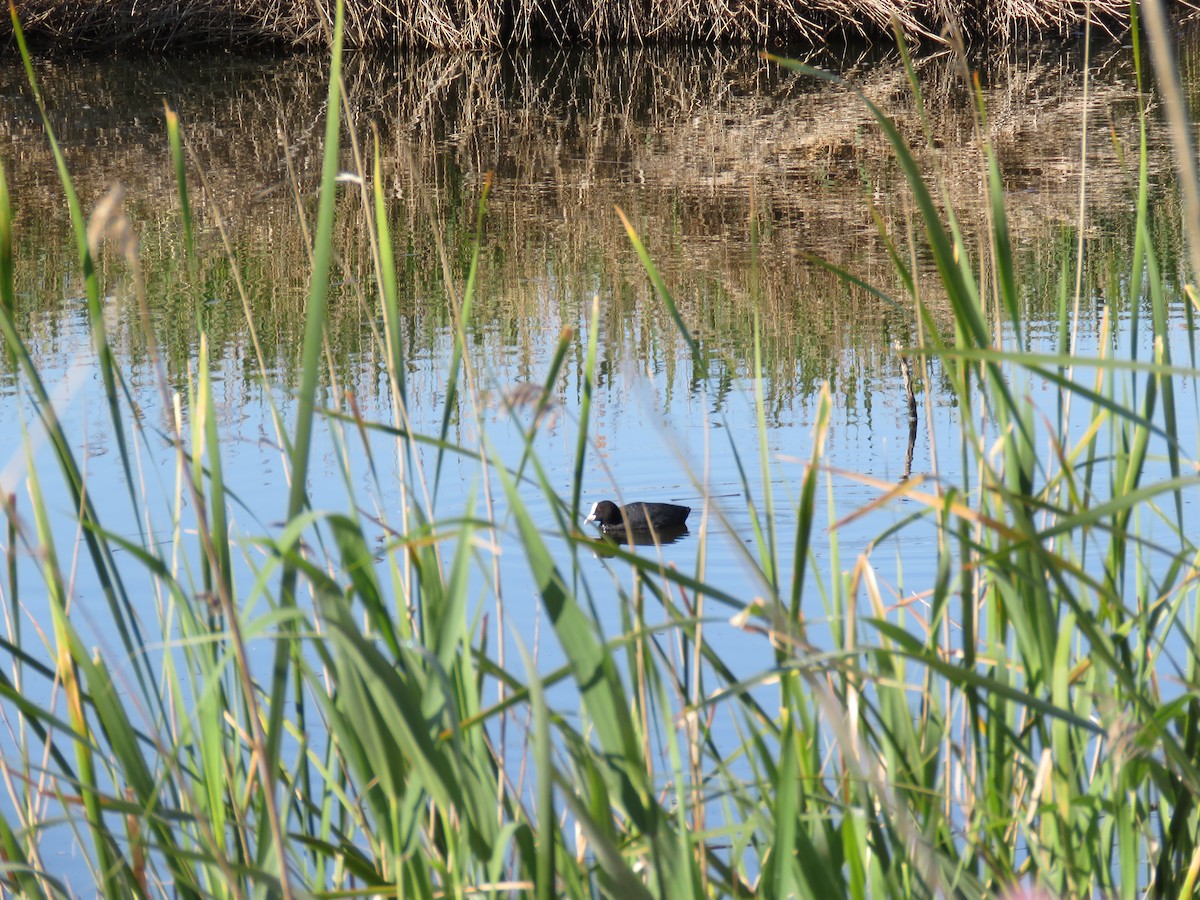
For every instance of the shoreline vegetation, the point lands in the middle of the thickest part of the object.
(75, 26)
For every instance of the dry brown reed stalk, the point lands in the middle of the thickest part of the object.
(102, 25)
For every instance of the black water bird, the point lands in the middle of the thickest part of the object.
(637, 517)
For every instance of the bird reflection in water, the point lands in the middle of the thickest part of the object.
(607, 544)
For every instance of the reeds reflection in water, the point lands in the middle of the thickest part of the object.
(694, 144)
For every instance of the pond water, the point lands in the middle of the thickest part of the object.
(700, 148)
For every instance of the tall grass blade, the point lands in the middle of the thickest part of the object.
(179, 163)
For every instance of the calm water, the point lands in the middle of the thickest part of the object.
(693, 145)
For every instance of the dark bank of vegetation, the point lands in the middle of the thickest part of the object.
(1031, 716)
(72, 26)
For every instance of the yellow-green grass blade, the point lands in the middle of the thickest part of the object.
(585, 406)
(806, 510)
(78, 672)
(179, 163)
(217, 525)
(286, 647)
(358, 563)
(768, 551)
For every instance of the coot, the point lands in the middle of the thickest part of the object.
(639, 516)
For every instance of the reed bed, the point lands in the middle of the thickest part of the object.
(1028, 718)
(103, 25)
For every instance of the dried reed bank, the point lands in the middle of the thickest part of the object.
(102, 25)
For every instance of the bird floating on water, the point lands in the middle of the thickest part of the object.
(614, 519)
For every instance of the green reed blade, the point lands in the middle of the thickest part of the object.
(314, 330)
(806, 510)
(585, 405)
(1001, 247)
(446, 623)
(218, 523)
(769, 551)
(178, 162)
(592, 665)
(318, 295)
(542, 408)
(357, 562)
(389, 295)
(782, 870)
